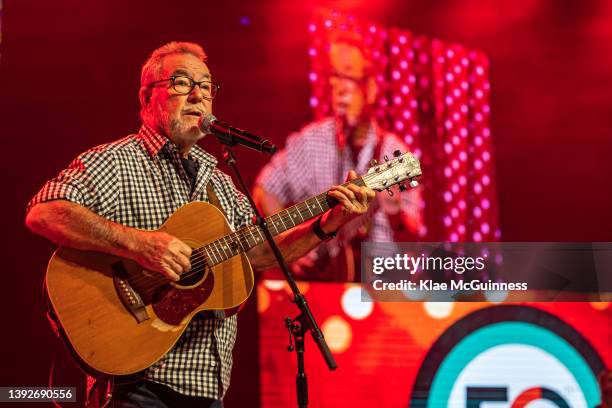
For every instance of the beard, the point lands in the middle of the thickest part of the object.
(176, 129)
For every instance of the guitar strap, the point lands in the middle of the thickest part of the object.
(212, 197)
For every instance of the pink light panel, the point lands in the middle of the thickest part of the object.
(435, 95)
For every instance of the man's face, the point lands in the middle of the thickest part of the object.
(176, 115)
(348, 81)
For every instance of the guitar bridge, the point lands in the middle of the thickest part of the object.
(129, 297)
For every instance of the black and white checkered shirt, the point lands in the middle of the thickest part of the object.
(139, 181)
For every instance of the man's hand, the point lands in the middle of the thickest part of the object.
(353, 201)
(161, 252)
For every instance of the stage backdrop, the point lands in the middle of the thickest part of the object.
(435, 354)
(435, 95)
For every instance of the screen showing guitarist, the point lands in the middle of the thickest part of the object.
(324, 150)
(131, 223)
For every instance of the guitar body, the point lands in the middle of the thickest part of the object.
(113, 336)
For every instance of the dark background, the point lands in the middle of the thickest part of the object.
(69, 77)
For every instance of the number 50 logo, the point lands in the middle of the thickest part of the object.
(514, 354)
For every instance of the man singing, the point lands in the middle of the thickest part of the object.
(112, 197)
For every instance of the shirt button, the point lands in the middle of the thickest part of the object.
(213, 363)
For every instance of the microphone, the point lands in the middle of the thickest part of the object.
(232, 136)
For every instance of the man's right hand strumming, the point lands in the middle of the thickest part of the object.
(161, 252)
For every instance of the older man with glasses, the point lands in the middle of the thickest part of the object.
(112, 197)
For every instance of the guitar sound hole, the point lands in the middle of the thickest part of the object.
(197, 272)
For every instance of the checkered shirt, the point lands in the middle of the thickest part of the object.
(311, 162)
(139, 181)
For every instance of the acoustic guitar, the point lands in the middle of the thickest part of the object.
(119, 319)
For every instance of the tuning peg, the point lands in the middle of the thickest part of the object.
(397, 153)
(402, 187)
(390, 192)
(413, 183)
(373, 162)
(386, 158)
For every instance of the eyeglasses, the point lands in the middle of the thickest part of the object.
(335, 78)
(183, 85)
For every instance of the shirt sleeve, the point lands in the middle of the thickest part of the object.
(91, 180)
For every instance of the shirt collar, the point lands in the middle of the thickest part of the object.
(155, 142)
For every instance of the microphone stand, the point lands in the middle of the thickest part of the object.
(305, 321)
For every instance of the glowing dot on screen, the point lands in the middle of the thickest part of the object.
(485, 203)
(312, 76)
(338, 333)
(263, 299)
(464, 61)
(312, 27)
(486, 180)
(477, 188)
(457, 92)
(353, 306)
(411, 79)
(447, 171)
(397, 100)
(454, 237)
(485, 228)
(478, 141)
(447, 221)
(449, 100)
(464, 85)
(461, 204)
(410, 54)
(486, 85)
(403, 64)
(413, 104)
(396, 75)
(438, 310)
(406, 114)
(478, 164)
(314, 102)
(274, 284)
(477, 237)
(479, 94)
(448, 124)
(423, 58)
(409, 139)
(600, 305)
(395, 49)
(450, 53)
(463, 132)
(456, 116)
(463, 155)
(455, 188)
(486, 132)
(457, 69)
(463, 108)
(448, 196)
(461, 229)
(498, 235)
(486, 108)
(372, 29)
(448, 148)
(450, 77)
(399, 125)
(477, 212)
(380, 78)
(455, 164)
(417, 152)
(486, 156)
(478, 116)
(462, 180)
(402, 39)
(312, 52)
(479, 70)
(456, 140)
(454, 212)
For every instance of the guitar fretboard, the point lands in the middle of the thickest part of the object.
(246, 238)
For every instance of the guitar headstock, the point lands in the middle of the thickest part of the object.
(381, 176)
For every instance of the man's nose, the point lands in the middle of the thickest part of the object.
(196, 94)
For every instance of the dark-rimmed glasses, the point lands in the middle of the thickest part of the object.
(183, 85)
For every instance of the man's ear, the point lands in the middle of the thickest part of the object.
(371, 91)
(144, 94)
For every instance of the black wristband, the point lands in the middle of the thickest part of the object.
(323, 236)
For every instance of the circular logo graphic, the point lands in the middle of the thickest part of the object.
(512, 356)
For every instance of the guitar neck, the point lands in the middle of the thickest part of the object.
(248, 237)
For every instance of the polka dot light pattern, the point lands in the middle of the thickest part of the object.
(434, 95)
